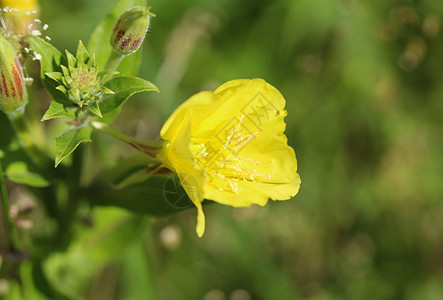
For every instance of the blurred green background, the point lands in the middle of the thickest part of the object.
(363, 83)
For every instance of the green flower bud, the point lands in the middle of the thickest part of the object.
(13, 96)
(130, 30)
(80, 80)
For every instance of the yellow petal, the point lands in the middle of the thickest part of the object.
(186, 115)
(200, 228)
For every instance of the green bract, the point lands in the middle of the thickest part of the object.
(81, 82)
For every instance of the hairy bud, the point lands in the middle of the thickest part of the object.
(13, 96)
(130, 30)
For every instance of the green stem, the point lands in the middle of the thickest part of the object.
(75, 198)
(151, 148)
(113, 61)
(8, 240)
(22, 130)
(69, 212)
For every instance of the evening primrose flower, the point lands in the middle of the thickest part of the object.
(17, 15)
(228, 146)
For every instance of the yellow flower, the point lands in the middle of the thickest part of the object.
(20, 14)
(21, 5)
(228, 146)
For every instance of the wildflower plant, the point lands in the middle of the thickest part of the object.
(226, 146)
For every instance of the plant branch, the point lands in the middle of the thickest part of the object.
(7, 233)
(151, 148)
(114, 61)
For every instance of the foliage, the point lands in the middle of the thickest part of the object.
(363, 88)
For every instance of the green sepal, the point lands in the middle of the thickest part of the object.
(72, 61)
(62, 89)
(58, 109)
(66, 143)
(75, 94)
(65, 70)
(57, 76)
(82, 54)
(92, 61)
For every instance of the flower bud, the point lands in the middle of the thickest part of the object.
(13, 96)
(130, 30)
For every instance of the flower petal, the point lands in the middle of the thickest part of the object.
(194, 109)
(200, 228)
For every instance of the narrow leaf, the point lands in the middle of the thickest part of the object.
(66, 143)
(18, 172)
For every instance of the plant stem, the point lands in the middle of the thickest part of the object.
(113, 61)
(7, 233)
(69, 212)
(151, 148)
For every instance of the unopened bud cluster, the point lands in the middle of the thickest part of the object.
(13, 96)
(130, 30)
(80, 80)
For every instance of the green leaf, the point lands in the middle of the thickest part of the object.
(50, 62)
(59, 110)
(123, 87)
(18, 172)
(99, 43)
(30, 286)
(66, 143)
(158, 196)
(95, 109)
(71, 272)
